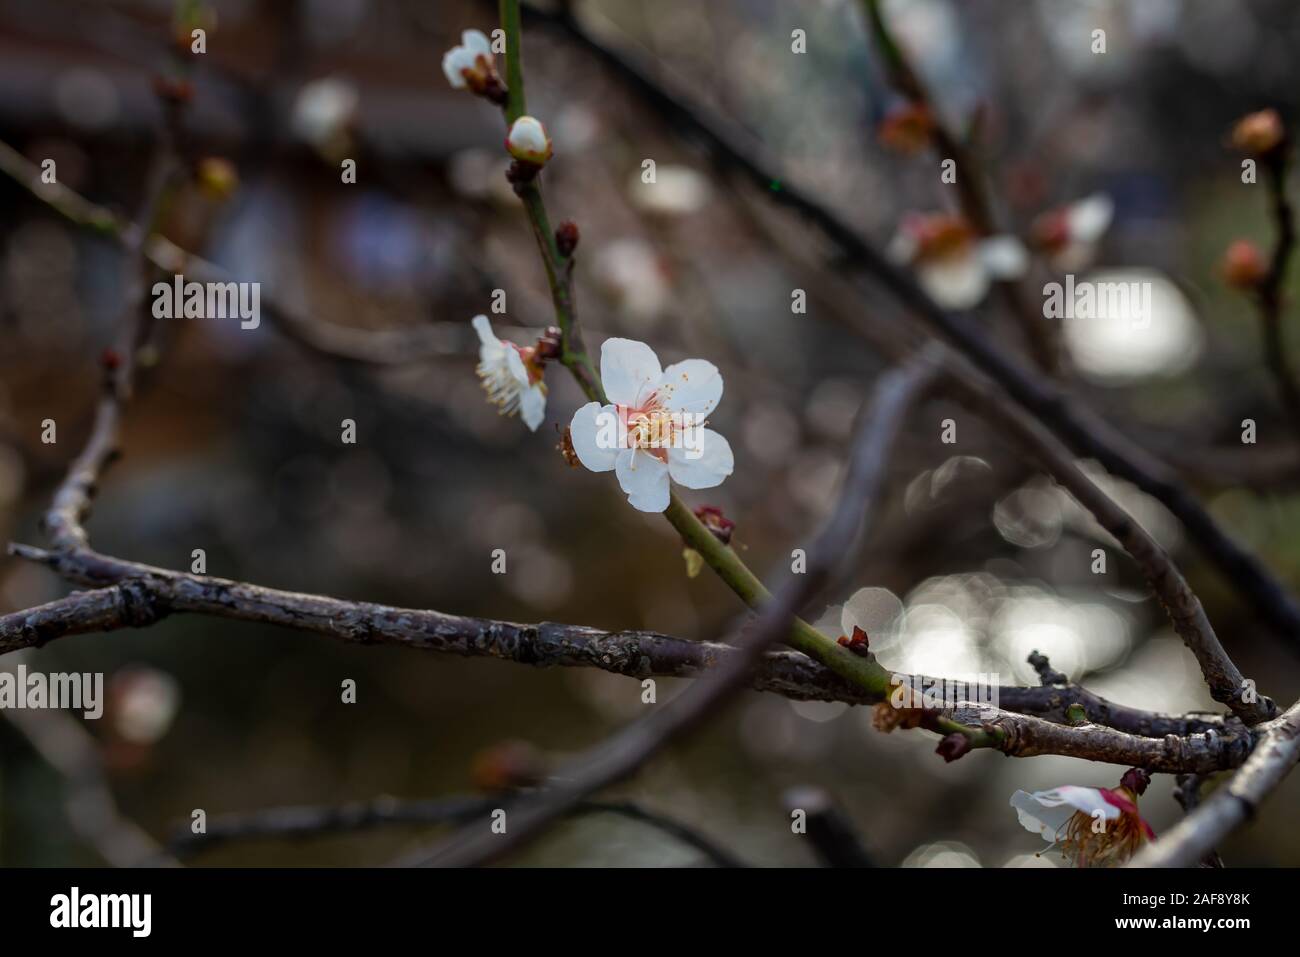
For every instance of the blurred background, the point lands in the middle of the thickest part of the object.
(232, 444)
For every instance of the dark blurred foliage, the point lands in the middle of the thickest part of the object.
(233, 444)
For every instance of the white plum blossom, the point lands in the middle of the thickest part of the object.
(323, 111)
(954, 265)
(471, 66)
(1089, 826)
(1069, 236)
(512, 376)
(527, 141)
(652, 431)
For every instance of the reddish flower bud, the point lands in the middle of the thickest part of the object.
(549, 345)
(716, 522)
(1136, 780)
(907, 128)
(1259, 133)
(858, 642)
(1243, 265)
(173, 89)
(507, 766)
(110, 359)
(566, 237)
(953, 746)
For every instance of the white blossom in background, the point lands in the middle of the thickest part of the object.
(324, 110)
(527, 141)
(652, 431)
(1070, 235)
(632, 273)
(953, 264)
(676, 191)
(144, 702)
(511, 376)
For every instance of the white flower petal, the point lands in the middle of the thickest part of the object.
(476, 43)
(1005, 257)
(515, 363)
(1089, 218)
(693, 386)
(532, 406)
(594, 435)
(956, 282)
(453, 62)
(1046, 822)
(491, 346)
(1046, 812)
(644, 478)
(902, 248)
(1080, 798)
(706, 466)
(630, 371)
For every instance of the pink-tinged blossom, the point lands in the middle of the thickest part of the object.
(652, 431)
(1090, 827)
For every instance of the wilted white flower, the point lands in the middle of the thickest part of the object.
(652, 430)
(1089, 826)
(512, 376)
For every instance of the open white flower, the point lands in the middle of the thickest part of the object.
(1070, 235)
(527, 141)
(471, 66)
(512, 376)
(953, 264)
(653, 428)
(1089, 826)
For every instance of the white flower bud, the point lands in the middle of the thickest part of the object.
(528, 142)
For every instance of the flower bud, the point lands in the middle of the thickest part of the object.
(1259, 133)
(216, 177)
(1136, 780)
(471, 66)
(712, 518)
(859, 643)
(907, 128)
(527, 141)
(953, 746)
(1243, 265)
(566, 238)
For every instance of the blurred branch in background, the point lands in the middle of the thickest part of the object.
(299, 823)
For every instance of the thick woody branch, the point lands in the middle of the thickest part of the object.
(1233, 804)
(128, 594)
